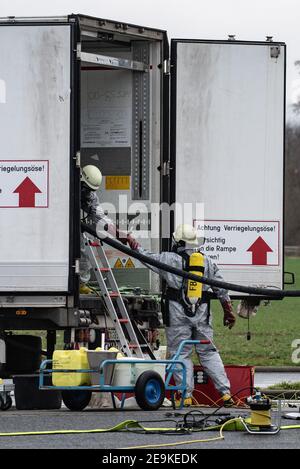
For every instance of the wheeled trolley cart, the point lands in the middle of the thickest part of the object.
(149, 386)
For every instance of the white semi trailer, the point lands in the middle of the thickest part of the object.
(198, 121)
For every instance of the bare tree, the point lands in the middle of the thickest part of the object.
(292, 184)
(292, 176)
(296, 106)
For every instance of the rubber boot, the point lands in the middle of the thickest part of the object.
(84, 289)
(227, 400)
(188, 401)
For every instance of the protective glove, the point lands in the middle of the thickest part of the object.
(123, 237)
(229, 317)
(133, 244)
(116, 233)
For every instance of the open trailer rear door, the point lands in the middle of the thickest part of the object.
(37, 157)
(227, 151)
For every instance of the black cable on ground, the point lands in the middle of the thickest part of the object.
(205, 417)
(208, 416)
(279, 294)
(183, 424)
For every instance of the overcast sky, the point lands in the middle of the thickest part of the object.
(247, 19)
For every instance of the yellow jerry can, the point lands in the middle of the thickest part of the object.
(71, 360)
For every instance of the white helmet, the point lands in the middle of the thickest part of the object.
(186, 233)
(92, 176)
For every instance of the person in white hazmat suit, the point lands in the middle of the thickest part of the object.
(182, 323)
(92, 212)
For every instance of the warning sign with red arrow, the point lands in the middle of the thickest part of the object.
(252, 243)
(24, 184)
(259, 251)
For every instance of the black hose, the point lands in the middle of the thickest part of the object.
(279, 294)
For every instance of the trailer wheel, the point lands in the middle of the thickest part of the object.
(149, 390)
(6, 405)
(76, 400)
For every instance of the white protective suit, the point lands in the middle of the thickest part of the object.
(92, 212)
(181, 327)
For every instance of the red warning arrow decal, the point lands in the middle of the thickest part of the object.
(259, 251)
(27, 190)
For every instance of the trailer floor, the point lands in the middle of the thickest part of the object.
(18, 421)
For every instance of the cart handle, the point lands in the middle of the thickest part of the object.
(186, 342)
(172, 363)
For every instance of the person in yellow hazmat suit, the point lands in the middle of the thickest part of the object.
(189, 318)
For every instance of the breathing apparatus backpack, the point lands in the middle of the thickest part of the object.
(194, 289)
(190, 294)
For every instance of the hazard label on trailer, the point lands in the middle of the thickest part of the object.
(241, 242)
(117, 183)
(24, 184)
(118, 264)
(129, 264)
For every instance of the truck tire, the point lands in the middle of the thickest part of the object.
(149, 390)
(23, 353)
(76, 400)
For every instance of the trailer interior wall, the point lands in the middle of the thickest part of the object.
(121, 134)
(228, 151)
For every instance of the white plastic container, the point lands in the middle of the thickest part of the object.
(127, 374)
(95, 358)
(161, 353)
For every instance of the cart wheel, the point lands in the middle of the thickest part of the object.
(76, 400)
(149, 390)
(5, 405)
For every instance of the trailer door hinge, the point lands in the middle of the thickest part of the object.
(77, 266)
(166, 168)
(274, 52)
(167, 67)
(78, 50)
(77, 159)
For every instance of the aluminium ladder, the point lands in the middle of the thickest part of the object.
(127, 330)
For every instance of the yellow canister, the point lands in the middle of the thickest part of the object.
(70, 360)
(261, 418)
(196, 267)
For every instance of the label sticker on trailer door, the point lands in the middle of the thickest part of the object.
(24, 184)
(241, 242)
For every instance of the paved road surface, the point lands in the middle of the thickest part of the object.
(13, 421)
